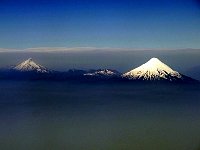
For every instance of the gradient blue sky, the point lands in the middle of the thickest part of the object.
(100, 23)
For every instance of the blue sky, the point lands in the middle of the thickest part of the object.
(100, 23)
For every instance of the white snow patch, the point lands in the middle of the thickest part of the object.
(154, 69)
(104, 72)
(30, 65)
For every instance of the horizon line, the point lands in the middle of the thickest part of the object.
(82, 49)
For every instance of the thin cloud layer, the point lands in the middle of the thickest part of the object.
(8, 50)
(63, 49)
(81, 49)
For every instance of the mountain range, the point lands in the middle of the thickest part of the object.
(152, 71)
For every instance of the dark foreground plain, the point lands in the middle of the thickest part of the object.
(44, 115)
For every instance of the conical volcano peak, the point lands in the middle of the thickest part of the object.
(154, 60)
(28, 62)
(30, 65)
(153, 69)
(30, 59)
(153, 65)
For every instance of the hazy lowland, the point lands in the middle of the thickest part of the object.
(52, 115)
(66, 115)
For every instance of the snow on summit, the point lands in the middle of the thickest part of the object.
(30, 65)
(154, 69)
(102, 72)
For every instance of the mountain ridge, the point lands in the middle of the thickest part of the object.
(152, 70)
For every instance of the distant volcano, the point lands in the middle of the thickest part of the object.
(30, 66)
(154, 70)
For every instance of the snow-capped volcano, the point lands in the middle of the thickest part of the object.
(29, 65)
(154, 69)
